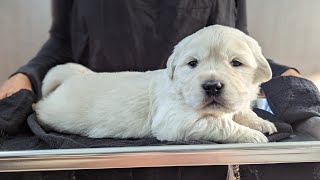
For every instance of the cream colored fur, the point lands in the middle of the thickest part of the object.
(168, 104)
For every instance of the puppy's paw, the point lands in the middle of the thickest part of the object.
(253, 136)
(251, 120)
(263, 126)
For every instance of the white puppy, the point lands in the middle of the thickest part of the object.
(205, 93)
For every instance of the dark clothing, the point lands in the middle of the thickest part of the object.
(122, 35)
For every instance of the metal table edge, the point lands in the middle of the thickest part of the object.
(159, 156)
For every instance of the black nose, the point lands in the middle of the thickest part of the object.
(212, 87)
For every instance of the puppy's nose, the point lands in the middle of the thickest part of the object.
(212, 87)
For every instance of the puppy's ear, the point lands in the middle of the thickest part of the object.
(172, 60)
(171, 65)
(263, 72)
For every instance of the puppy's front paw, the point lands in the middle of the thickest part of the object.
(251, 120)
(253, 136)
(264, 126)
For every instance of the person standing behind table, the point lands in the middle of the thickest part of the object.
(109, 36)
(126, 35)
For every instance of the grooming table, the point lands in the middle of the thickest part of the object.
(160, 156)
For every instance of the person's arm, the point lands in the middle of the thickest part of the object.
(291, 72)
(282, 70)
(57, 50)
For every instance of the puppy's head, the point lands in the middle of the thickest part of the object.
(218, 69)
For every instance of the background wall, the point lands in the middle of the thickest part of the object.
(287, 30)
(24, 26)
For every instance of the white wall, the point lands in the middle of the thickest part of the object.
(287, 30)
(24, 26)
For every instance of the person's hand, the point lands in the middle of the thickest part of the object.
(14, 84)
(291, 72)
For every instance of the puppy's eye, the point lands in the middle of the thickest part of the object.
(193, 63)
(235, 63)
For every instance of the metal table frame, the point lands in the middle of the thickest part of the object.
(160, 156)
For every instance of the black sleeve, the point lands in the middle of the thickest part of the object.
(241, 21)
(229, 13)
(278, 69)
(57, 49)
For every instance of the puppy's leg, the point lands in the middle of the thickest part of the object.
(225, 130)
(250, 119)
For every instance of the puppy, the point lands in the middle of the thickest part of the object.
(204, 93)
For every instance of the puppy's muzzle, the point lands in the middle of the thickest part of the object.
(212, 87)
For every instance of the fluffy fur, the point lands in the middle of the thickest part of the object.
(169, 104)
